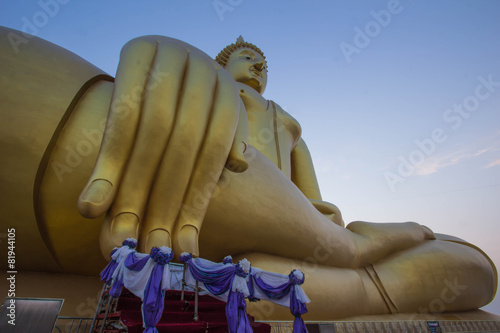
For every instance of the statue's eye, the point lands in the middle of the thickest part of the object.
(247, 57)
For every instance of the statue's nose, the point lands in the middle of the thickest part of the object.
(259, 66)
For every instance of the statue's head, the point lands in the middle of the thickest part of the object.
(246, 63)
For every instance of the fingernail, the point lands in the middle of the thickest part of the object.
(98, 191)
(188, 240)
(123, 226)
(157, 237)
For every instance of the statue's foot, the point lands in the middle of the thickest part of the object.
(429, 233)
(404, 230)
(379, 240)
(96, 198)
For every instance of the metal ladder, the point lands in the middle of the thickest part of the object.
(105, 312)
(106, 309)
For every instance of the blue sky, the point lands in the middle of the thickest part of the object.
(399, 101)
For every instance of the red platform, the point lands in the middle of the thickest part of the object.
(178, 315)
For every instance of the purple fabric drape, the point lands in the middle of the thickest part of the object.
(297, 308)
(130, 261)
(251, 297)
(237, 319)
(218, 280)
(153, 298)
(117, 287)
(107, 272)
(135, 264)
(270, 291)
(152, 305)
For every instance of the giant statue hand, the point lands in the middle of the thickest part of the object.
(171, 102)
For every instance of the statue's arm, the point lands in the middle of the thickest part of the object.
(304, 177)
(303, 174)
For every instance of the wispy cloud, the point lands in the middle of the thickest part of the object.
(439, 161)
(435, 162)
(493, 163)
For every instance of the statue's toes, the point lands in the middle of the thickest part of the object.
(429, 234)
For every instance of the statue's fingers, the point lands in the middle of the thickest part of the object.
(209, 165)
(123, 118)
(155, 127)
(174, 173)
(110, 238)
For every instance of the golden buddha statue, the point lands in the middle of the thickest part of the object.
(184, 151)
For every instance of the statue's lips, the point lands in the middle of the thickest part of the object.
(256, 72)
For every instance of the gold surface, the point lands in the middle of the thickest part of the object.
(38, 84)
(194, 157)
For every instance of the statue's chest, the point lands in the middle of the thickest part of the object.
(259, 111)
(266, 131)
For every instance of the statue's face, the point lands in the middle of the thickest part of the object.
(249, 67)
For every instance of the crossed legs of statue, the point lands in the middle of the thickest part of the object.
(366, 268)
(435, 277)
(262, 210)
